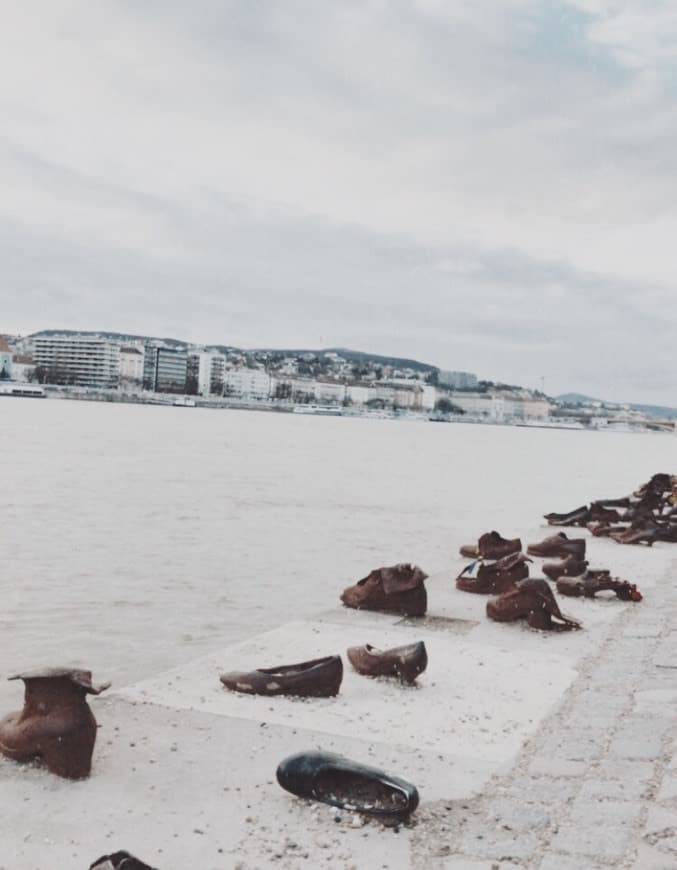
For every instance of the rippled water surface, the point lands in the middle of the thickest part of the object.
(135, 538)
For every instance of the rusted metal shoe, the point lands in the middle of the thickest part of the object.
(318, 678)
(119, 861)
(578, 517)
(569, 567)
(604, 514)
(559, 547)
(604, 530)
(534, 601)
(404, 662)
(491, 546)
(495, 577)
(623, 502)
(398, 589)
(647, 535)
(593, 582)
(340, 782)
(56, 723)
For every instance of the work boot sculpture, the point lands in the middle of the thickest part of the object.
(56, 723)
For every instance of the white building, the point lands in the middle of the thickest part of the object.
(457, 380)
(23, 368)
(5, 360)
(131, 367)
(247, 383)
(80, 360)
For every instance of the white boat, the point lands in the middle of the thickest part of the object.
(184, 402)
(323, 410)
(26, 391)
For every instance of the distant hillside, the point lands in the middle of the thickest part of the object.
(654, 410)
(576, 399)
(354, 356)
(657, 411)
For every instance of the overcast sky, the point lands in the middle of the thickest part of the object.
(487, 185)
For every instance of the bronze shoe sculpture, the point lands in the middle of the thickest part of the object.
(534, 601)
(119, 861)
(578, 517)
(603, 530)
(318, 678)
(491, 546)
(646, 535)
(558, 546)
(569, 567)
(398, 589)
(56, 723)
(495, 577)
(334, 780)
(598, 581)
(405, 662)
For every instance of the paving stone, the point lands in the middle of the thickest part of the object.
(615, 768)
(613, 789)
(652, 858)
(640, 737)
(549, 766)
(660, 828)
(499, 844)
(518, 816)
(668, 788)
(567, 862)
(575, 746)
(542, 790)
(604, 832)
(466, 864)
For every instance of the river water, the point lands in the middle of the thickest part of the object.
(135, 538)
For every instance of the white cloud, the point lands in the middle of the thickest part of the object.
(478, 177)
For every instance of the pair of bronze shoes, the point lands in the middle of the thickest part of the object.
(396, 589)
(56, 724)
(495, 577)
(321, 678)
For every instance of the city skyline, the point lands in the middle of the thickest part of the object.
(487, 188)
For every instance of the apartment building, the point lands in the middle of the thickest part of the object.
(131, 366)
(79, 360)
(164, 369)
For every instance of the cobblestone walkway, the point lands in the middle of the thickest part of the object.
(597, 786)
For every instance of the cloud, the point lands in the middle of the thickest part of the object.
(486, 185)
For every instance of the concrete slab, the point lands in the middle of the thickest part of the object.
(478, 706)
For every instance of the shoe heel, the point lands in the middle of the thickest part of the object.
(69, 755)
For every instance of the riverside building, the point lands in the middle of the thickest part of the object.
(78, 360)
(164, 369)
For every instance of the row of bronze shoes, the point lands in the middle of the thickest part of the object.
(647, 515)
(57, 726)
(501, 569)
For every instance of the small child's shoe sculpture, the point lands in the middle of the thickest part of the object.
(56, 723)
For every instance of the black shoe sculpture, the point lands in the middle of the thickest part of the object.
(335, 780)
(119, 861)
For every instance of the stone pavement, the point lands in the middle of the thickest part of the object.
(596, 786)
